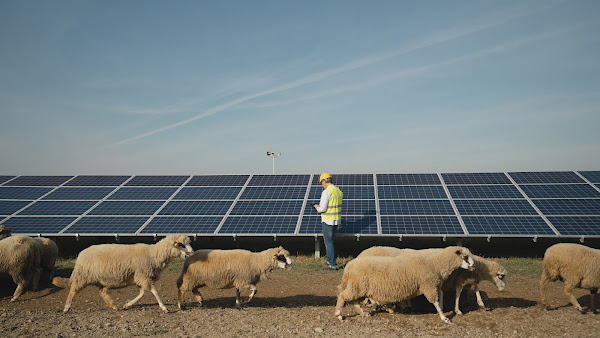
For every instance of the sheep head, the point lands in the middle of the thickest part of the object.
(282, 258)
(181, 243)
(4, 232)
(466, 259)
(499, 277)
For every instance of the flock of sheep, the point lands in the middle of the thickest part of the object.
(380, 277)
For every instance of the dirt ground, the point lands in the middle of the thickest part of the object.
(298, 302)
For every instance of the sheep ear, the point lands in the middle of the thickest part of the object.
(458, 252)
(175, 244)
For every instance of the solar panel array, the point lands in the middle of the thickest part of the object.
(513, 204)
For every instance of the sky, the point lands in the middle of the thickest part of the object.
(208, 87)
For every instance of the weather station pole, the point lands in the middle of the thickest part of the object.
(273, 155)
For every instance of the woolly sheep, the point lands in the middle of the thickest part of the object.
(483, 270)
(577, 265)
(36, 249)
(388, 280)
(114, 265)
(48, 255)
(225, 269)
(16, 259)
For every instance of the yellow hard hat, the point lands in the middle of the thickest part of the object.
(324, 176)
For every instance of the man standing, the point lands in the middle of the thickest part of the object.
(330, 208)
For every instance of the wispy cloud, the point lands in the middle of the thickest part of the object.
(483, 23)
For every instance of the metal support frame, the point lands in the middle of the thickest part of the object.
(317, 247)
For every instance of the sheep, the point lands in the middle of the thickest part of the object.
(388, 280)
(575, 264)
(16, 259)
(36, 249)
(225, 269)
(48, 255)
(483, 270)
(4, 232)
(114, 265)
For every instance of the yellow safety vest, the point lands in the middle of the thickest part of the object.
(334, 208)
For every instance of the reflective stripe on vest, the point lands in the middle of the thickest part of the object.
(334, 208)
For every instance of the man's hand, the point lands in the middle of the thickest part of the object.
(316, 206)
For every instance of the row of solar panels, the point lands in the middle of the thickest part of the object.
(548, 203)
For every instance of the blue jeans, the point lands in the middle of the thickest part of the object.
(328, 232)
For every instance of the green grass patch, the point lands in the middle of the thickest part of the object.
(531, 267)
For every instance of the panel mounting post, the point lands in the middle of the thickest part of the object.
(535, 238)
(274, 237)
(489, 238)
(317, 248)
(358, 237)
(400, 238)
(582, 239)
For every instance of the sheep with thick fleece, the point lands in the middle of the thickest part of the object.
(48, 255)
(114, 265)
(483, 270)
(387, 280)
(16, 259)
(225, 269)
(575, 264)
(36, 249)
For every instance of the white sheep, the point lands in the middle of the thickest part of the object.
(483, 270)
(225, 269)
(16, 259)
(48, 255)
(577, 265)
(114, 265)
(36, 249)
(387, 280)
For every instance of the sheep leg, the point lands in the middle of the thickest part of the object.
(457, 300)
(135, 300)
(36, 278)
(568, 289)
(74, 288)
(434, 298)
(107, 299)
(198, 295)
(479, 299)
(18, 291)
(543, 283)
(593, 300)
(343, 296)
(252, 293)
(160, 302)
(238, 302)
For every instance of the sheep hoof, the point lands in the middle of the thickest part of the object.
(447, 321)
(115, 308)
(125, 307)
(13, 299)
(458, 312)
(340, 317)
(165, 310)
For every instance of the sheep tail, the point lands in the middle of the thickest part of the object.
(61, 282)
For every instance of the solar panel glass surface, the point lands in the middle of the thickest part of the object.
(97, 180)
(5, 178)
(143, 193)
(8, 208)
(218, 180)
(185, 225)
(274, 193)
(576, 225)
(206, 208)
(157, 181)
(207, 193)
(64, 208)
(267, 208)
(350, 192)
(546, 177)
(560, 191)
(415, 207)
(588, 207)
(66, 193)
(411, 192)
(46, 181)
(484, 191)
(350, 225)
(278, 180)
(420, 225)
(476, 178)
(507, 225)
(37, 225)
(259, 225)
(408, 179)
(22, 193)
(347, 179)
(109, 225)
(494, 207)
(349, 207)
(118, 208)
(592, 176)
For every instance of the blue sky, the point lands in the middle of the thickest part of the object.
(207, 87)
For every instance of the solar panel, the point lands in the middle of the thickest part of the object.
(207, 193)
(588, 207)
(157, 181)
(277, 180)
(185, 225)
(507, 225)
(10, 207)
(350, 192)
(63, 208)
(415, 207)
(347, 179)
(37, 225)
(5, 178)
(420, 225)
(576, 225)
(144, 193)
(494, 207)
(592, 176)
(22, 193)
(350, 225)
(267, 208)
(98, 180)
(476, 178)
(218, 180)
(349, 207)
(110, 225)
(560, 191)
(546, 177)
(117, 208)
(47, 181)
(411, 192)
(408, 179)
(196, 208)
(274, 193)
(484, 191)
(259, 225)
(78, 194)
